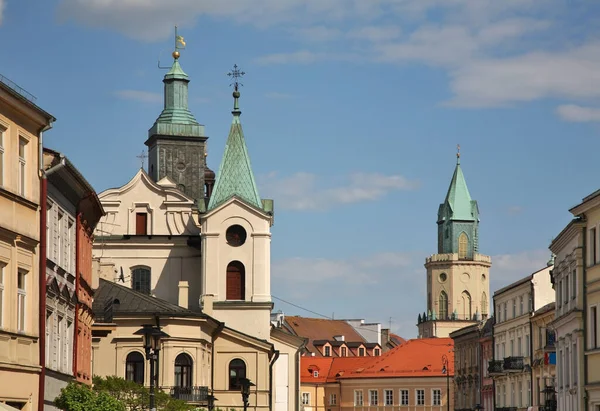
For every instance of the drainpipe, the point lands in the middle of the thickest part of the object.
(271, 364)
(297, 387)
(42, 268)
(214, 336)
(584, 268)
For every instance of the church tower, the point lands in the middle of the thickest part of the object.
(458, 287)
(236, 240)
(176, 142)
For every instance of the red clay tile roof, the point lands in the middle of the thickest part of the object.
(345, 365)
(415, 358)
(321, 329)
(308, 365)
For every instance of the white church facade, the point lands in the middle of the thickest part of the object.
(190, 252)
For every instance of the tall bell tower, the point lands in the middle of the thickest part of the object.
(176, 142)
(458, 283)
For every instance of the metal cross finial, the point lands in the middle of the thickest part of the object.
(458, 150)
(142, 157)
(236, 74)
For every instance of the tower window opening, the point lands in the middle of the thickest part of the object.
(463, 243)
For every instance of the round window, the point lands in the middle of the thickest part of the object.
(443, 277)
(236, 235)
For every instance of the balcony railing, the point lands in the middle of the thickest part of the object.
(506, 408)
(513, 364)
(190, 394)
(495, 367)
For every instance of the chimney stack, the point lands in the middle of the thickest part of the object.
(183, 294)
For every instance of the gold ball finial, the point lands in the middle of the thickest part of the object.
(176, 54)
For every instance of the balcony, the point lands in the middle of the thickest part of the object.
(495, 367)
(190, 394)
(506, 408)
(513, 364)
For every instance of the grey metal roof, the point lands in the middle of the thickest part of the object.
(133, 302)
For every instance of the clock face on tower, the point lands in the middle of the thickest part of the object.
(235, 235)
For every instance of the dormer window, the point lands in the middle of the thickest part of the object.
(376, 352)
(344, 352)
(327, 351)
(361, 352)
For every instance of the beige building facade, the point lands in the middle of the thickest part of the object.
(22, 124)
(543, 369)
(511, 367)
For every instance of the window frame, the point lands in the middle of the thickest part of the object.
(435, 391)
(2, 149)
(22, 300)
(239, 366)
(136, 283)
(305, 398)
(183, 373)
(403, 397)
(22, 156)
(593, 326)
(419, 400)
(138, 367)
(327, 351)
(359, 398)
(385, 397)
(373, 399)
(332, 399)
(463, 246)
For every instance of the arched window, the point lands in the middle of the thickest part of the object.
(466, 300)
(183, 370)
(463, 245)
(237, 372)
(443, 306)
(236, 278)
(140, 280)
(484, 305)
(134, 367)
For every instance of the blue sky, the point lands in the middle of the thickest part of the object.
(352, 111)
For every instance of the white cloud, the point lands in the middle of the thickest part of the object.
(376, 33)
(572, 112)
(361, 270)
(508, 268)
(139, 95)
(316, 33)
(307, 192)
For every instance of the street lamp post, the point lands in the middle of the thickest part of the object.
(152, 336)
(246, 384)
(446, 370)
(211, 402)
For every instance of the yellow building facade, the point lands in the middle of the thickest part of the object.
(21, 126)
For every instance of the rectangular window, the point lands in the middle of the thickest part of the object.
(436, 397)
(512, 348)
(538, 391)
(389, 397)
(373, 397)
(68, 347)
(503, 350)
(403, 397)
(519, 347)
(528, 399)
(499, 311)
(593, 246)
(141, 223)
(49, 341)
(332, 399)
(567, 370)
(2, 265)
(505, 316)
(512, 394)
(540, 337)
(559, 294)
(59, 237)
(21, 299)
(521, 307)
(527, 343)
(327, 351)
(376, 352)
(2, 133)
(306, 398)
(358, 398)
(514, 307)
(59, 343)
(574, 351)
(420, 397)
(361, 352)
(559, 369)
(566, 296)
(593, 327)
(520, 393)
(530, 302)
(573, 284)
(344, 352)
(22, 165)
